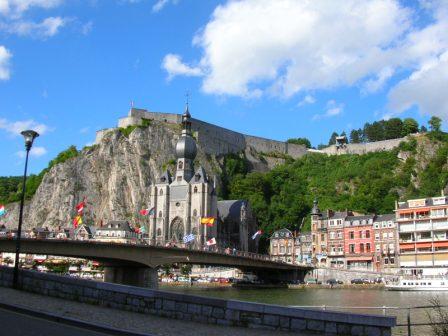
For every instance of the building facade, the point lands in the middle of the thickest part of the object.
(386, 243)
(291, 248)
(358, 242)
(423, 235)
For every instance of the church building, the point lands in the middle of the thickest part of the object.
(180, 201)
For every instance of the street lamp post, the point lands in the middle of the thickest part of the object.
(29, 139)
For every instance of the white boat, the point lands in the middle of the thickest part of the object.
(423, 284)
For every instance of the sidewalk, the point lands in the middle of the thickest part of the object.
(125, 320)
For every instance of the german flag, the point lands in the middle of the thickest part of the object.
(209, 221)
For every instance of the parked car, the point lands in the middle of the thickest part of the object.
(334, 282)
(378, 280)
(313, 281)
(357, 281)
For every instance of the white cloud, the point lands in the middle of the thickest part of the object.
(15, 127)
(47, 28)
(160, 4)
(174, 66)
(425, 88)
(333, 109)
(15, 8)
(308, 99)
(36, 151)
(84, 130)
(286, 47)
(5, 57)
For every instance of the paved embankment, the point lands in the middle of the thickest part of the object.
(213, 311)
(114, 318)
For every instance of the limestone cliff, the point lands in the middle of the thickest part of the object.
(114, 176)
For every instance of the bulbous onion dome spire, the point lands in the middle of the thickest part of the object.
(315, 210)
(186, 146)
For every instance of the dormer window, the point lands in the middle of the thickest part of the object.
(180, 165)
(163, 179)
(197, 177)
(195, 190)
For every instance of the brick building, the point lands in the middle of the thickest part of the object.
(358, 242)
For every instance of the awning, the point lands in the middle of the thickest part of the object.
(422, 210)
(407, 246)
(405, 211)
(441, 244)
(420, 245)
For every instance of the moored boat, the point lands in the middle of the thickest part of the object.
(422, 284)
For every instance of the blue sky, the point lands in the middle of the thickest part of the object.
(276, 69)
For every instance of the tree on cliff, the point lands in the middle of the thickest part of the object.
(410, 126)
(356, 136)
(435, 123)
(300, 141)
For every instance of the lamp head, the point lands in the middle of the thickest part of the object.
(29, 136)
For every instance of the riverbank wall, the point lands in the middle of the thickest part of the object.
(323, 274)
(200, 309)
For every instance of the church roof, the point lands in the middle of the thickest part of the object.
(116, 225)
(230, 209)
(165, 178)
(200, 176)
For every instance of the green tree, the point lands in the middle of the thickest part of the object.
(435, 123)
(393, 128)
(355, 136)
(423, 129)
(332, 140)
(300, 141)
(410, 126)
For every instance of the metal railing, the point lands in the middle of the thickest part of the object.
(139, 241)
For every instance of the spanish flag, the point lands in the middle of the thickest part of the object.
(209, 221)
(77, 221)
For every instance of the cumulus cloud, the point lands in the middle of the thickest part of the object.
(174, 66)
(333, 109)
(286, 47)
(425, 89)
(5, 57)
(15, 127)
(36, 151)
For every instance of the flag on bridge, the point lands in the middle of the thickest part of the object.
(209, 221)
(77, 221)
(189, 238)
(80, 207)
(211, 242)
(256, 234)
(146, 212)
(2, 210)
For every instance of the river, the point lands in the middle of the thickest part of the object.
(333, 297)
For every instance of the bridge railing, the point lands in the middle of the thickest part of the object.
(138, 240)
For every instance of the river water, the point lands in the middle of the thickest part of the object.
(356, 298)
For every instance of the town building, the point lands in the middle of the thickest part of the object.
(358, 242)
(84, 232)
(115, 231)
(319, 235)
(335, 239)
(289, 247)
(181, 201)
(386, 243)
(423, 235)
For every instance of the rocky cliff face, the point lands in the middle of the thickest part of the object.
(113, 175)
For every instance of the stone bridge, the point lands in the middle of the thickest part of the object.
(137, 265)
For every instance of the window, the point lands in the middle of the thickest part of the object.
(282, 249)
(195, 190)
(392, 260)
(376, 225)
(390, 224)
(384, 235)
(332, 235)
(180, 165)
(391, 235)
(377, 258)
(340, 234)
(351, 248)
(368, 234)
(161, 192)
(160, 214)
(351, 235)
(378, 247)
(361, 248)
(360, 234)
(386, 260)
(195, 212)
(179, 178)
(322, 237)
(377, 236)
(368, 247)
(383, 224)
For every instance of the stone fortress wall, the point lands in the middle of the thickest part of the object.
(220, 141)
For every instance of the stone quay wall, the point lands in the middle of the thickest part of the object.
(324, 274)
(200, 309)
